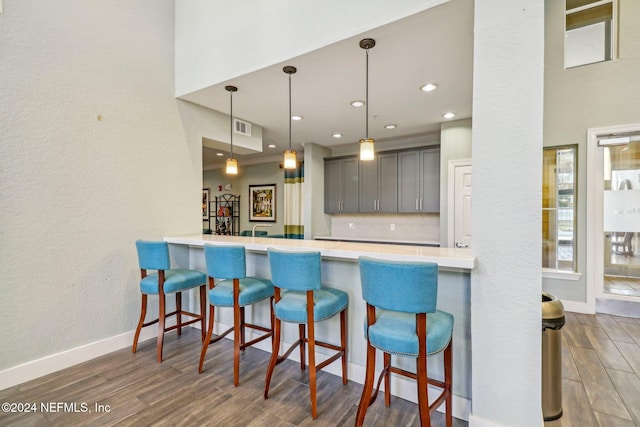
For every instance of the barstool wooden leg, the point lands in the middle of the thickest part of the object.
(207, 339)
(179, 312)
(387, 379)
(312, 356)
(343, 341)
(161, 327)
(301, 333)
(236, 332)
(274, 355)
(365, 399)
(448, 380)
(421, 370)
(203, 308)
(143, 314)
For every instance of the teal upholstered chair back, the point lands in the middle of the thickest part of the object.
(225, 261)
(153, 255)
(410, 287)
(298, 271)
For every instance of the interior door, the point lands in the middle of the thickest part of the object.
(459, 217)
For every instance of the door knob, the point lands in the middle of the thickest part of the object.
(461, 245)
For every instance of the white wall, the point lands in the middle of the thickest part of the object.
(93, 155)
(595, 95)
(217, 40)
(506, 218)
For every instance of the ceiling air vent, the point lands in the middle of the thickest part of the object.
(242, 127)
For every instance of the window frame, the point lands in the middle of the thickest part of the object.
(555, 272)
(612, 33)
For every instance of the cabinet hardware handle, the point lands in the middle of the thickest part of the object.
(417, 204)
(420, 204)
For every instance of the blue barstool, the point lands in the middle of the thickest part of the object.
(300, 298)
(402, 320)
(235, 290)
(155, 256)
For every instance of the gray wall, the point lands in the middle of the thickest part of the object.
(596, 95)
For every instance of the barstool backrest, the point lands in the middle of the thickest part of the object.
(153, 255)
(225, 261)
(410, 287)
(298, 271)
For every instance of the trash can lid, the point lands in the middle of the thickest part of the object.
(552, 307)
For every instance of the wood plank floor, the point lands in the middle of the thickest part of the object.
(601, 371)
(139, 391)
(601, 386)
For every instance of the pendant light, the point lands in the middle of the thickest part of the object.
(290, 160)
(231, 164)
(366, 144)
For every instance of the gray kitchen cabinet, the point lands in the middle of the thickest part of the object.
(379, 184)
(419, 181)
(341, 185)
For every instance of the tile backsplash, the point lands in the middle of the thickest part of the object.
(401, 227)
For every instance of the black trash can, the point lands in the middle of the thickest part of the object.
(552, 323)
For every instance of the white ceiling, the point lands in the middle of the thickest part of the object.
(432, 46)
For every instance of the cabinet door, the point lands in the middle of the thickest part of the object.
(368, 186)
(430, 181)
(332, 186)
(388, 182)
(408, 181)
(350, 185)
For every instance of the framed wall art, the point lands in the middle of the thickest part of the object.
(262, 203)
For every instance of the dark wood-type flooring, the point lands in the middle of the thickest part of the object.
(141, 392)
(601, 386)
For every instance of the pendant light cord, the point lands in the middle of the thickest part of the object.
(289, 112)
(366, 121)
(231, 120)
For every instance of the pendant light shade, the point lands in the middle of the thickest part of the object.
(367, 151)
(231, 163)
(290, 158)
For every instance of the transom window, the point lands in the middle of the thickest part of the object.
(590, 28)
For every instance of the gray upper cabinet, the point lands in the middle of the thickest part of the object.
(379, 184)
(341, 185)
(419, 181)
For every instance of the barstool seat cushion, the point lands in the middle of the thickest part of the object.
(292, 306)
(175, 280)
(252, 289)
(395, 332)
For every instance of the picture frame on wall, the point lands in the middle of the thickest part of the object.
(205, 203)
(262, 203)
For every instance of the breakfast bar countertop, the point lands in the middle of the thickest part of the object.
(455, 258)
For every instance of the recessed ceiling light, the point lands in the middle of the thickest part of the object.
(449, 115)
(220, 154)
(296, 117)
(271, 145)
(390, 126)
(357, 103)
(429, 87)
(337, 135)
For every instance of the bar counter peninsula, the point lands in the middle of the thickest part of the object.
(340, 270)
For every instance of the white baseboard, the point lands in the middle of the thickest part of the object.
(65, 359)
(400, 387)
(577, 307)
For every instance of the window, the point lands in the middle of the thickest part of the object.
(589, 32)
(558, 208)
